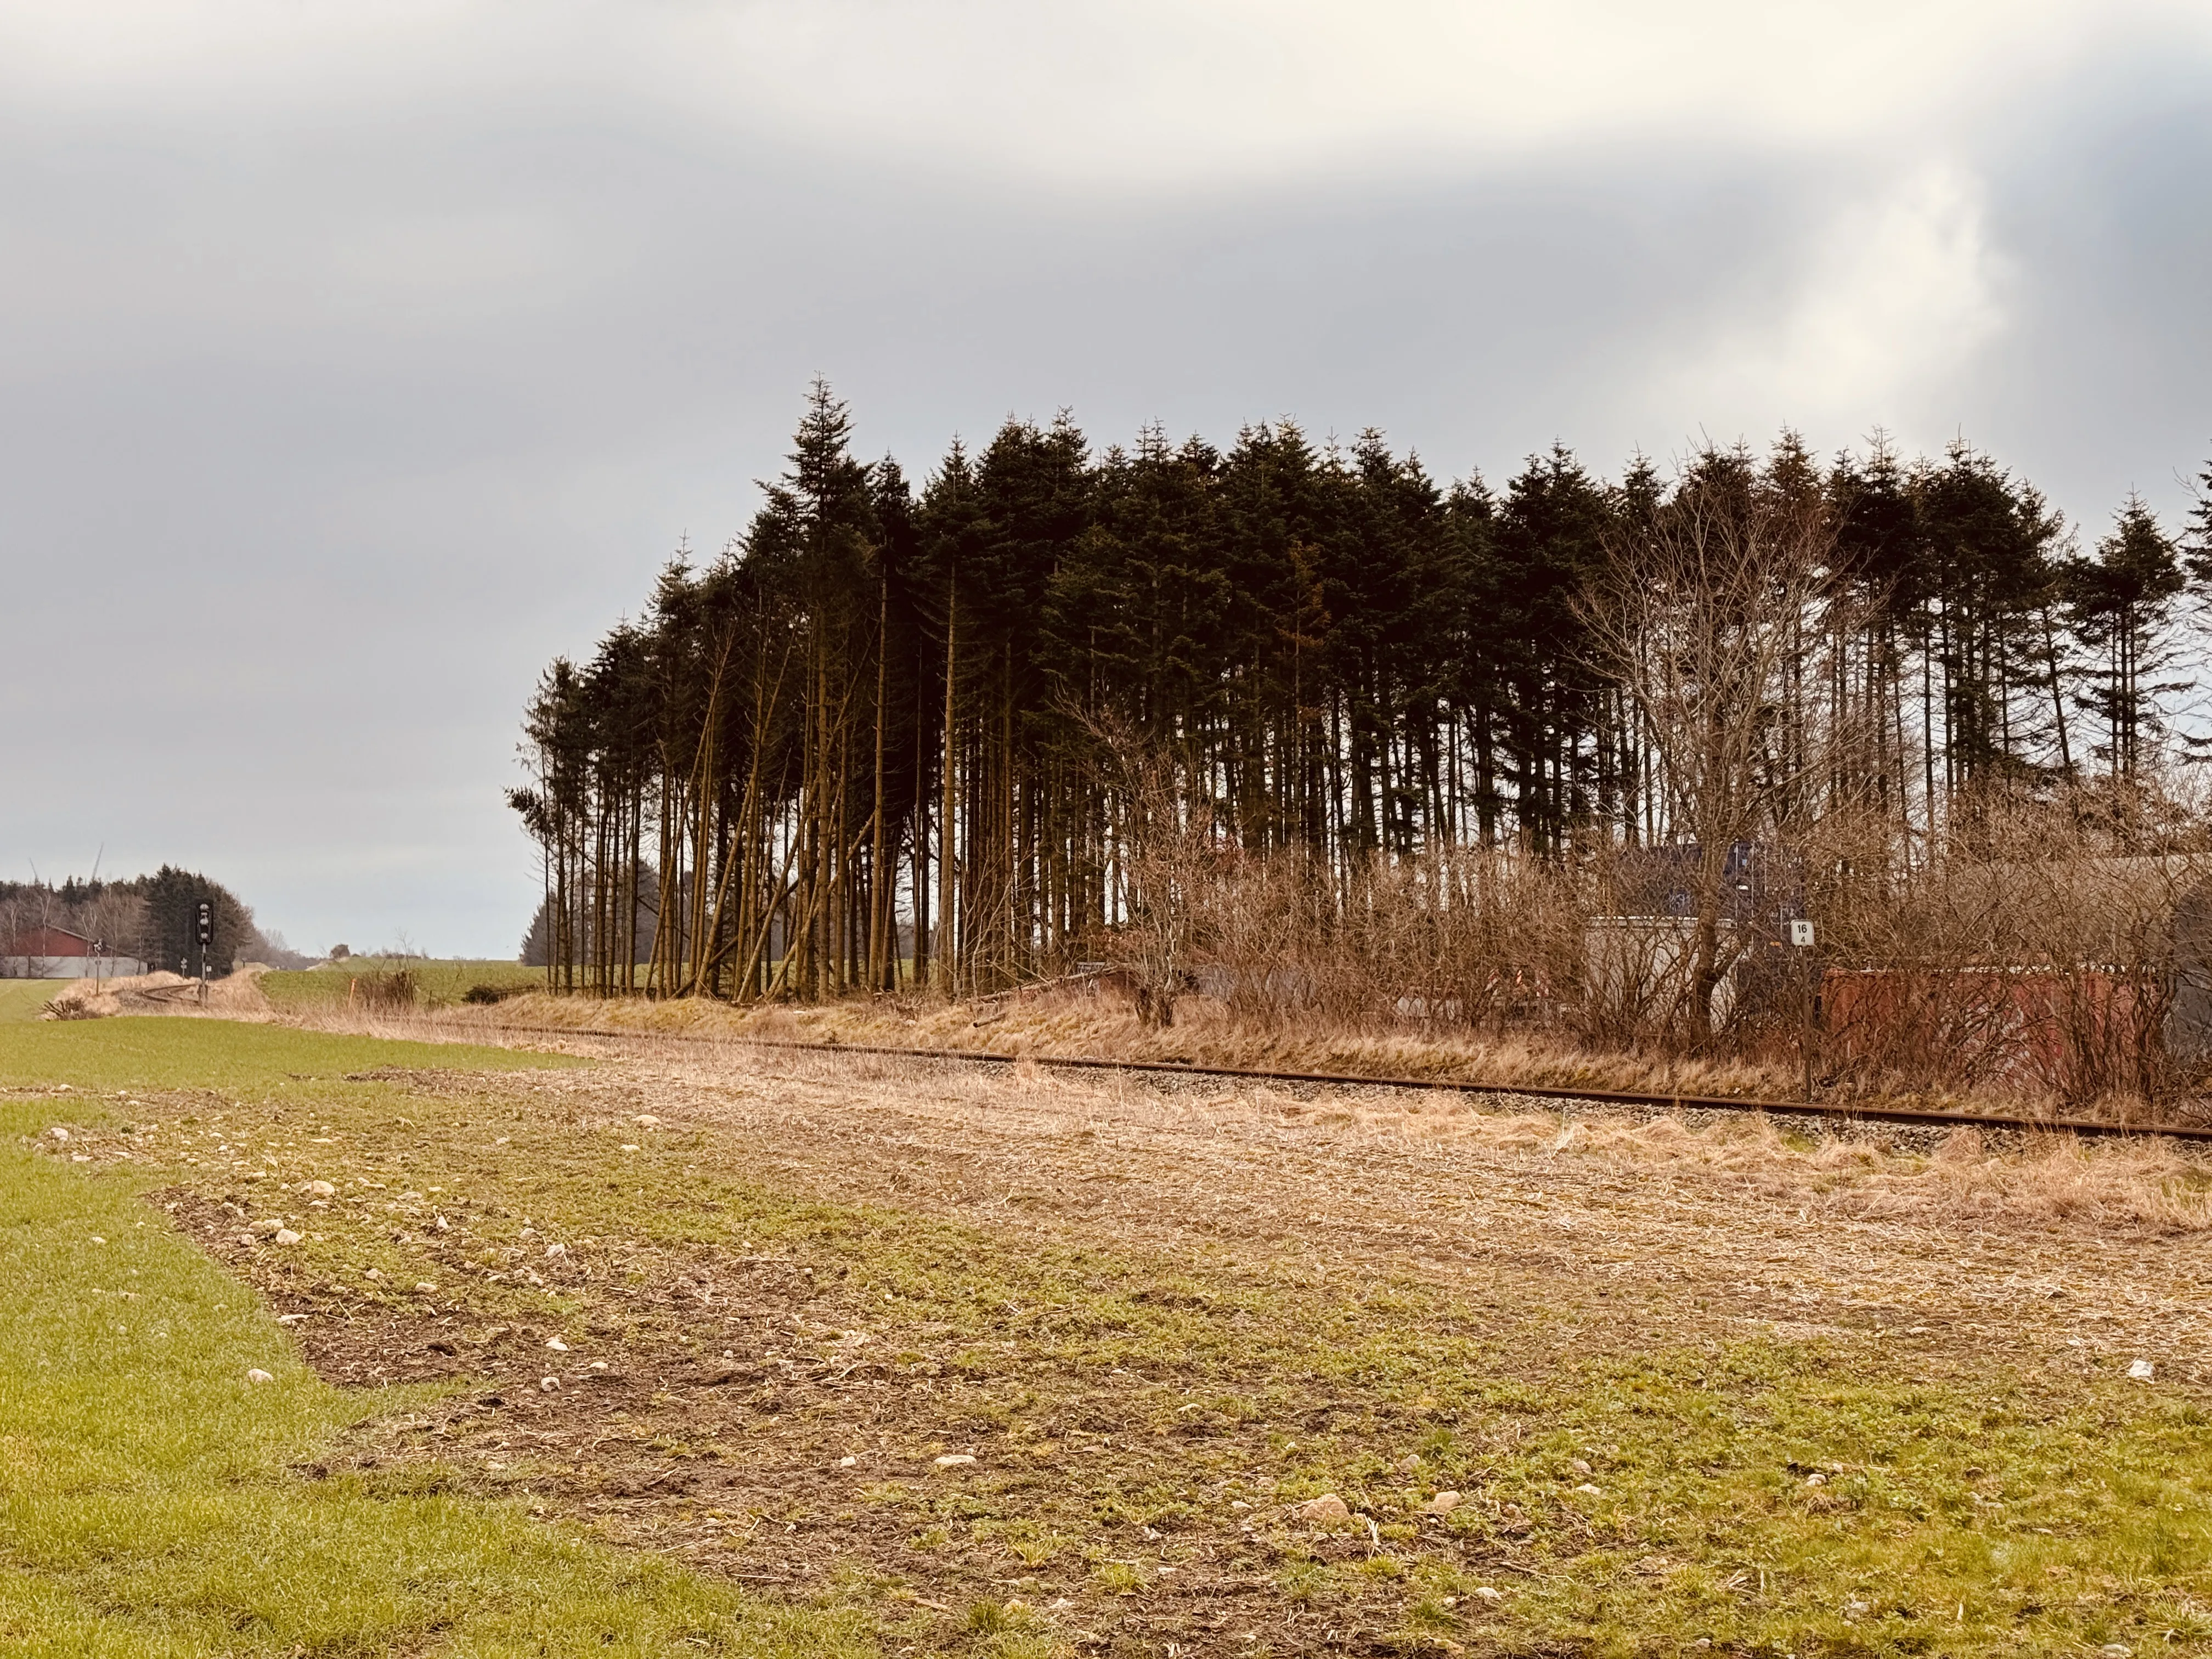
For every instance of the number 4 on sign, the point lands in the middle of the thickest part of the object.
(1801, 933)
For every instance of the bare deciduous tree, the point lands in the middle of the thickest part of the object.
(1702, 614)
(1167, 858)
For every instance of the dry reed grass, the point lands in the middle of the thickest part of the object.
(1065, 1023)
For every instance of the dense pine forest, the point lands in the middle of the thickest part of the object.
(1038, 711)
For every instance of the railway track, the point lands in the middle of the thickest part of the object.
(174, 995)
(1658, 1101)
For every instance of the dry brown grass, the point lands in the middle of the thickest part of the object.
(2141, 1188)
(237, 996)
(1065, 1023)
(1954, 1230)
(1678, 1186)
(2149, 1186)
(1893, 1175)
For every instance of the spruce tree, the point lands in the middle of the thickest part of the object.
(2123, 603)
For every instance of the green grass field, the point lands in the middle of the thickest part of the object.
(1757, 1496)
(22, 999)
(153, 1503)
(436, 983)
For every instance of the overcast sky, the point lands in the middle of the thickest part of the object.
(355, 359)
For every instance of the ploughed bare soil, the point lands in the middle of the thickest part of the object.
(765, 1388)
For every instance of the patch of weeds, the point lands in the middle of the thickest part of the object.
(1118, 1578)
(1429, 1613)
(1025, 1540)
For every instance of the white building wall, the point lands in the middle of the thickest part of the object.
(70, 967)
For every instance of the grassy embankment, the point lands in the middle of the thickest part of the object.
(153, 1505)
(1615, 1502)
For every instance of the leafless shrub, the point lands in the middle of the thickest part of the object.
(2034, 951)
(1453, 939)
(1168, 860)
(386, 988)
(1702, 614)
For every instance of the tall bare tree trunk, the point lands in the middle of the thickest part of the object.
(947, 942)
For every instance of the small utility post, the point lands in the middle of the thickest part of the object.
(207, 935)
(1802, 938)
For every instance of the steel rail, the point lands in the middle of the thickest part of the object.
(1667, 1102)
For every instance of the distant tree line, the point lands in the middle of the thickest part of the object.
(153, 918)
(882, 738)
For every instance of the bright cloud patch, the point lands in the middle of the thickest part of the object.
(1893, 294)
